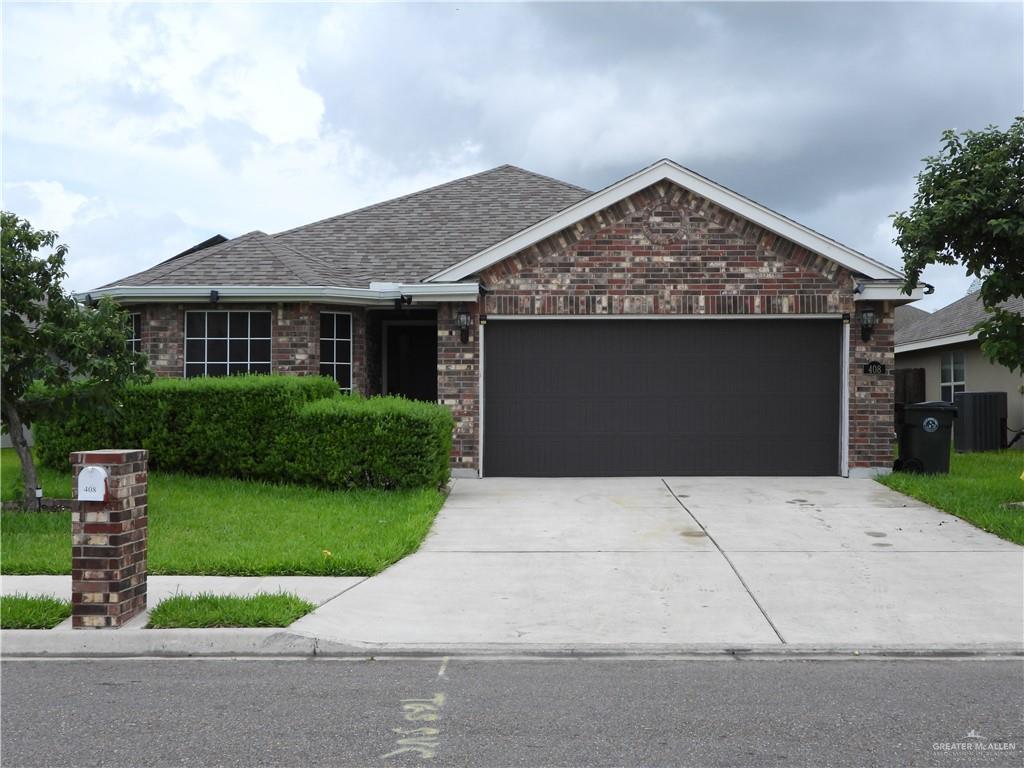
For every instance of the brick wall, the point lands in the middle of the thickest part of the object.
(109, 541)
(667, 251)
(458, 382)
(295, 336)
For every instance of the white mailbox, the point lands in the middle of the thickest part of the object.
(92, 484)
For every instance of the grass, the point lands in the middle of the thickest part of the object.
(217, 526)
(23, 612)
(975, 488)
(56, 484)
(205, 610)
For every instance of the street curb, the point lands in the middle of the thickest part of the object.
(282, 643)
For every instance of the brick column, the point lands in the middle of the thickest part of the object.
(108, 553)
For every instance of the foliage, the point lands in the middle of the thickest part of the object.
(380, 442)
(208, 610)
(219, 526)
(275, 428)
(80, 354)
(969, 210)
(976, 488)
(20, 611)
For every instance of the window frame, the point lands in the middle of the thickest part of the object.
(227, 339)
(335, 363)
(954, 385)
(135, 339)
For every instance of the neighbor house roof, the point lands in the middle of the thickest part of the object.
(950, 325)
(402, 240)
(906, 315)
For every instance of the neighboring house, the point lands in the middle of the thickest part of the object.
(664, 325)
(943, 345)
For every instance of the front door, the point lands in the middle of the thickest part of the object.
(410, 361)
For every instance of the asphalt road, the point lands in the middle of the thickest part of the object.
(513, 713)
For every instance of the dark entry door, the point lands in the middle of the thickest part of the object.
(568, 398)
(411, 359)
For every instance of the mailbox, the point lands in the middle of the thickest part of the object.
(92, 484)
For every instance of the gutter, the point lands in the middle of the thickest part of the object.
(383, 294)
(938, 341)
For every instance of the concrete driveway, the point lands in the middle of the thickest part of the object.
(687, 561)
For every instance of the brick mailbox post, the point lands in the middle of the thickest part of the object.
(109, 537)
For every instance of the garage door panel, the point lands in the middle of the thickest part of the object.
(661, 397)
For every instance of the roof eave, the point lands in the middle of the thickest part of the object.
(670, 171)
(939, 341)
(382, 294)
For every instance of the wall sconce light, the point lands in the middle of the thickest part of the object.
(214, 296)
(868, 321)
(463, 318)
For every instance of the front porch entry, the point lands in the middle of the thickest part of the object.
(402, 353)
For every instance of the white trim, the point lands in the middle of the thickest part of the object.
(383, 293)
(480, 405)
(844, 402)
(941, 341)
(384, 325)
(887, 292)
(351, 348)
(670, 171)
(835, 316)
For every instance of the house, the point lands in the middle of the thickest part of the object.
(664, 325)
(943, 346)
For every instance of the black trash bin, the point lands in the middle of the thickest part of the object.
(925, 437)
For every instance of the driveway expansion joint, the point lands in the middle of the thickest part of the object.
(728, 560)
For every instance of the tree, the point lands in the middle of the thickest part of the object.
(54, 352)
(969, 210)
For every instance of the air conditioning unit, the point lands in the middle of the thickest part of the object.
(981, 425)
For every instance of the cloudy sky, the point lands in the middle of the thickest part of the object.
(139, 130)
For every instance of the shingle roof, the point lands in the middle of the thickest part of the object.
(906, 315)
(401, 240)
(955, 318)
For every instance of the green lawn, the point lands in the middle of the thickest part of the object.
(203, 525)
(24, 612)
(204, 610)
(974, 489)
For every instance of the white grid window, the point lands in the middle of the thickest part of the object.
(336, 347)
(135, 332)
(954, 375)
(219, 343)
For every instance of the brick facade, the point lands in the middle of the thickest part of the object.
(661, 251)
(667, 251)
(458, 382)
(295, 336)
(109, 540)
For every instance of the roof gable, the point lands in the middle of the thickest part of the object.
(852, 260)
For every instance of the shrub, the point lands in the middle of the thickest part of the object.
(380, 442)
(275, 428)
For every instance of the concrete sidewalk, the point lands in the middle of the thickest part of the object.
(619, 562)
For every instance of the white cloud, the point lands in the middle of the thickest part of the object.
(47, 204)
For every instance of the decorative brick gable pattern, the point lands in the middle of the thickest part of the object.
(665, 250)
(109, 538)
(458, 383)
(295, 337)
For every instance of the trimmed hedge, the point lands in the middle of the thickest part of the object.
(274, 428)
(380, 442)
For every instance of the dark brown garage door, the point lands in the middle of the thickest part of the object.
(577, 398)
